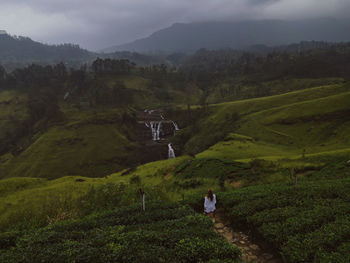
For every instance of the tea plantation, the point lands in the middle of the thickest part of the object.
(163, 233)
(309, 223)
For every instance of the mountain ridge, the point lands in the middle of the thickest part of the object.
(182, 37)
(20, 50)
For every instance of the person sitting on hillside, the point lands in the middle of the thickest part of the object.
(209, 204)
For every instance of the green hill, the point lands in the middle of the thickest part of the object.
(80, 148)
(76, 152)
(268, 136)
(315, 119)
(86, 140)
(239, 144)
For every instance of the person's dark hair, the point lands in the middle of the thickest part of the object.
(210, 195)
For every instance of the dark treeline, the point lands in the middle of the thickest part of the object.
(202, 71)
(326, 60)
(209, 68)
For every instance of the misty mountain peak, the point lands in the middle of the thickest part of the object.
(181, 37)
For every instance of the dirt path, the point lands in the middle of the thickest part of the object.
(251, 252)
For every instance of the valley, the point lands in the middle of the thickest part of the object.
(78, 146)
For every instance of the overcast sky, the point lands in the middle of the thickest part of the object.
(96, 24)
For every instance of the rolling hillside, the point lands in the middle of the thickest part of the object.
(315, 120)
(96, 143)
(274, 130)
(84, 141)
(245, 148)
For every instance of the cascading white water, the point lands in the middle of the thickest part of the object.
(158, 130)
(175, 126)
(149, 111)
(171, 152)
(155, 128)
(66, 95)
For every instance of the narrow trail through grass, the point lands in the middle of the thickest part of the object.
(251, 251)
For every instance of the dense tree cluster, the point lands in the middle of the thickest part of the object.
(207, 68)
(324, 60)
(112, 66)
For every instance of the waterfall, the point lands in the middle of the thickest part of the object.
(175, 126)
(155, 128)
(171, 153)
(66, 95)
(158, 130)
(149, 111)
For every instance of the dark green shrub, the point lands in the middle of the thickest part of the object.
(308, 224)
(165, 232)
(201, 250)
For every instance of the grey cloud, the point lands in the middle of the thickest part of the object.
(96, 24)
(263, 2)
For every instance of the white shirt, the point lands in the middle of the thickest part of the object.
(209, 206)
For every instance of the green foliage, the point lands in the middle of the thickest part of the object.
(135, 179)
(104, 196)
(163, 233)
(87, 144)
(303, 129)
(210, 168)
(336, 167)
(306, 223)
(8, 239)
(188, 183)
(195, 249)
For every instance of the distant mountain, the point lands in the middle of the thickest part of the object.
(238, 35)
(23, 50)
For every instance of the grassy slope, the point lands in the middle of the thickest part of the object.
(26, 193)
(27, 198)
(31, 199)
(224, 92)
(35, 198)
(88, 143)
(12, 110)
(284, 125)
